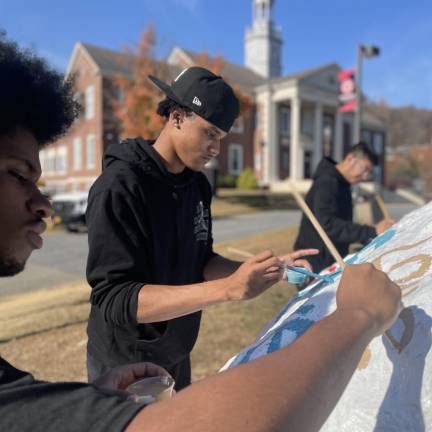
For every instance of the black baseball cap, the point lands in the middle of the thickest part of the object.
(205, 93)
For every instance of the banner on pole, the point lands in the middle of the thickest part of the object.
(347, 90)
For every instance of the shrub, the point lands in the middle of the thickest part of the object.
(247, 180)
(226, 181)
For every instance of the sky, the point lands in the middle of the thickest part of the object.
(315, 32)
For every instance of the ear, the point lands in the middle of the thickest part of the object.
(177, 118)
(349, 159)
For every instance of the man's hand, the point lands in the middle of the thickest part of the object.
(365, 288)
(120, 377)
(383, 225)
(292, 258)
(254, 276)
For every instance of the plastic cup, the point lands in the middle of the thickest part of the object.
(153, 389)
(295, 278)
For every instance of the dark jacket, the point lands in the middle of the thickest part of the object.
(146, 226)
(330, 201)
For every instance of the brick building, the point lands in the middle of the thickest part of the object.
(293, 123)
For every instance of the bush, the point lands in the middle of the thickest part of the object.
(247, 180)
(226, 181)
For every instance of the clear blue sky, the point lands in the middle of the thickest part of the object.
(315, 32)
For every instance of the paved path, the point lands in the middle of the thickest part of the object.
(63, 257)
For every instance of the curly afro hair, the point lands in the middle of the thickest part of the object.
(33, 95)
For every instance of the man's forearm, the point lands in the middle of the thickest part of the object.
(293, 389)
(228, 280)
(164, 302)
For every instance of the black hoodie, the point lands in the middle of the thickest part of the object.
(146, 226)
(330, 200)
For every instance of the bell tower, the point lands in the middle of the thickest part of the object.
(263, 41)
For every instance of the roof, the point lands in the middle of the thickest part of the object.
(371, 120)
(246, 78)
(110, 62)
(114, 63)
(304, 74)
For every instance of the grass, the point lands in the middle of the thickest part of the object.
(46, 330)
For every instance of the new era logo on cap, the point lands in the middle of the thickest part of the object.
(205, 93)
(196, 101)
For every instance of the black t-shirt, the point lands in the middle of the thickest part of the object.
(30, 405)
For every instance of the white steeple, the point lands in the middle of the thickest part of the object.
(263, 41)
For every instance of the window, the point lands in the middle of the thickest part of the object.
(307, 164)
(307, 122)
(77, 154)
(61, 160)
(91, 151)
(77, 97)
(51, 161)
(121, 94)
(42, 158)
(257, 159)
(238, 126)
(285, 161)
(235, 159)
(257, 117)
(366, 136)
(285, 121)
(89, 102)
(378, 143)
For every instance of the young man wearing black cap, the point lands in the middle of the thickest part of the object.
(151, 264)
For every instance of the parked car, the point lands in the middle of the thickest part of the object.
(69, 210)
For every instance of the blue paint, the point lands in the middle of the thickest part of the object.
(374, 244)
(305, 309)
(295, 277)
(381, 239)
(298, 325)
(306, 272)
(245, 358)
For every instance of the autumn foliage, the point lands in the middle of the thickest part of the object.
(216, 65)
(137, 109)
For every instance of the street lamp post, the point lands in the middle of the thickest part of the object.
(367, 51)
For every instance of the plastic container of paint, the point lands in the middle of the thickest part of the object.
(295, 278)
(153, 389)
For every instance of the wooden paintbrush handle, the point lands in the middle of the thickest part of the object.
(324, 237)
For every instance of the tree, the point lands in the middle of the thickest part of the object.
(216, 65)
(137, 109)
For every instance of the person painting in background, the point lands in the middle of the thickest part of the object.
(330, 200)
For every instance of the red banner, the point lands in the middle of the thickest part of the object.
(347, 90)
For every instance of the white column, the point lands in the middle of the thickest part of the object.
(265, 140)
(318, 135)
(273, 143)
(338, 145)
(296, 151)
(269, 149)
